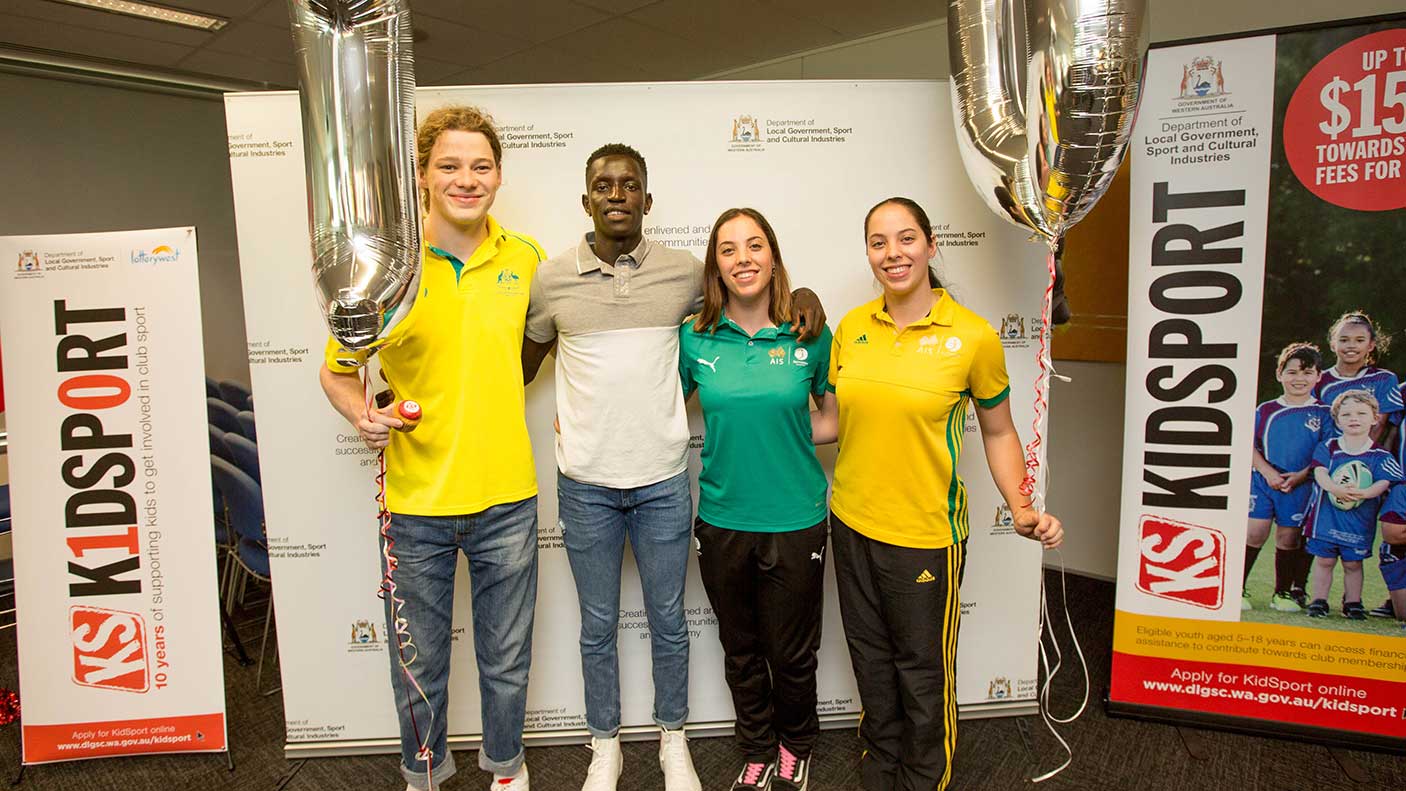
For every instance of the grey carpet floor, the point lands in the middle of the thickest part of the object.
(1109, 753)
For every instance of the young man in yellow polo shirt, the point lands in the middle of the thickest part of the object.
(464, 480)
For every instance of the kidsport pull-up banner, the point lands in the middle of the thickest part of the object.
(116, 604)
(1262, 551)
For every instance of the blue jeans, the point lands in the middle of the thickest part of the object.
(658, 520)
(501, 545)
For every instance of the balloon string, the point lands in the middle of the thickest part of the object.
(1046, 628)
(1035, 449)
(406, 650)
(1034, 487)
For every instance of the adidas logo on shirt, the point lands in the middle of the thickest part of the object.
(862, 339)
(926, 576)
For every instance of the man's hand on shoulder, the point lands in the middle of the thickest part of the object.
(810, 314)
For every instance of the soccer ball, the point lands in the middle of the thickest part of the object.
(1354, 475)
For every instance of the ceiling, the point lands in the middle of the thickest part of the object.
(467, 43)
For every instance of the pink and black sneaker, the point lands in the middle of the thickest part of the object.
(755, 776)
(792, 771)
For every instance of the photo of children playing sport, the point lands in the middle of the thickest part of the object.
(1322, 482)
(1326, 531)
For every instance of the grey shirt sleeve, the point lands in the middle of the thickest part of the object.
(697, 265)
(541, 326)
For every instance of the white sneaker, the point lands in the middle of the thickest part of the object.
(606, 764)
(518, 782)
(676, 762)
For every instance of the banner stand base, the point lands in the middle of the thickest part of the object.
(300, 750)
(1349, 740)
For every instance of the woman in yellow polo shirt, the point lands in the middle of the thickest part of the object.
(902, 369)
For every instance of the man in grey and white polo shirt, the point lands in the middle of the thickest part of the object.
(613, 305)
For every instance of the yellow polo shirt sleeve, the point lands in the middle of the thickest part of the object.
(988, 381)
(334, 354)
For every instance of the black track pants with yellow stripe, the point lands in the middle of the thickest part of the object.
(901, 610)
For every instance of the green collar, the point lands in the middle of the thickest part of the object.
(765, 333)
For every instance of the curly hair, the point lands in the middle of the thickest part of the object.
(1306, 353)
(460, 118)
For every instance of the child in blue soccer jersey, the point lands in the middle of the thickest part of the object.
(1355, 340)
(1394, 548)
(1287, 431)
(1351, 474)
(1392, 556)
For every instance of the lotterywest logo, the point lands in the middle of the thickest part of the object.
(99, 468)
(1181, 562)
(161, 254)
(1189, 439)
(109, 649)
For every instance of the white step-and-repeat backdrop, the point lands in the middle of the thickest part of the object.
(813, 157)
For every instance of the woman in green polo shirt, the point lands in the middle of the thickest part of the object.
(903, 368)
(761, 526)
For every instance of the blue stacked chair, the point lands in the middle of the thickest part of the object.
(218, 446)
(212, 388)
(235, 394)
(223, 416)
(246, 456)
(224, 535)
(246, 422)
(245, 502)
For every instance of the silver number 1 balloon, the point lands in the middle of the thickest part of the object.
(1044, 93)
(357, 79)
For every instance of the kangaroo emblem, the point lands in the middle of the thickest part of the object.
(713, 366)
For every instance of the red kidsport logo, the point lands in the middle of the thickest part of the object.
(1181, 562)
(109, 649)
